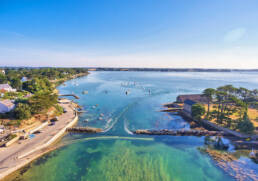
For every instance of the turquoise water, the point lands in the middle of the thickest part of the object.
(119, 155)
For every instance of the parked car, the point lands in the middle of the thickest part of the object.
(52, 124)
(37, 132)
(53, 119)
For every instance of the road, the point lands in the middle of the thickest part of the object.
(24, 151)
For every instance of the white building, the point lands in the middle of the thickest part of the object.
(24, 79)
(6, 88)
(2, 71)
(1, 128)
(6, 106)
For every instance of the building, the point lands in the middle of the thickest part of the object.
(2, 71)
(24, 79)
(6, 106)
(188, 106)
(1, 129)
(6, 88)
(194, 97)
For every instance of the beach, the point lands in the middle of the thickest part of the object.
(23, 152)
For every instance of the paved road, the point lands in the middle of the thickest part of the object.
(10, 156)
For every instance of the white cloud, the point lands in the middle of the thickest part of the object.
(235, 35)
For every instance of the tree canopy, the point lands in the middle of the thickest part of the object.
(198, 111)
(230, 105)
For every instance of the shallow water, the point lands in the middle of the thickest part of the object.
(118, 155)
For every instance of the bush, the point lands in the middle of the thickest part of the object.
(59, 110)
(245, 126)
(10, 137)
(22, 111)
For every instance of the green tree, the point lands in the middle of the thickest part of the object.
(38, 85)
(198, 111)
(3, 79)
(246, 126)
(209, 93)
(16, 83)
(42, 101)
(22, 111)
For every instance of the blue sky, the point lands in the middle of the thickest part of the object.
(129, 33)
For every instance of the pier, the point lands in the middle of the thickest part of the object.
(84, 130)
(171, 109)
(73, 95)
(181, 132)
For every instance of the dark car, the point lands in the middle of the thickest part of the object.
(37, 132)
(53, 120)
(52, 124)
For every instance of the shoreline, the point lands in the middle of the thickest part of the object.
(44, 148)
(37, 151)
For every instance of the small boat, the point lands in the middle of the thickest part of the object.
(109, 120)
(252, 154)
(86, 120)
(101, 114)
(85, 92)
(100, 118)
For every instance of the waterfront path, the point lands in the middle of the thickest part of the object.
(24, 151)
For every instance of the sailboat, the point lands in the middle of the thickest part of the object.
(252, 153)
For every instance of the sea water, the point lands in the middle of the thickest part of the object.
(120, 102)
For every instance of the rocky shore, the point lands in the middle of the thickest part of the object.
(232, 165)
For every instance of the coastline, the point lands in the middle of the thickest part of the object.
(42, 148)
(38, 150)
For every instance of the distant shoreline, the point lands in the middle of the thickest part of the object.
(172, 69)
(148, 69)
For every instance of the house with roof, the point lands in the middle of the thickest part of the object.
(194, 97)
(6, 106)
(6, 88)
(24, 79)
(2, 71)
(188, 106)
(2, 129)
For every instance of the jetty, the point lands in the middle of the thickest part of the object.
(84, 130)
(181, 132)
(72, 95)
(171, 109)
